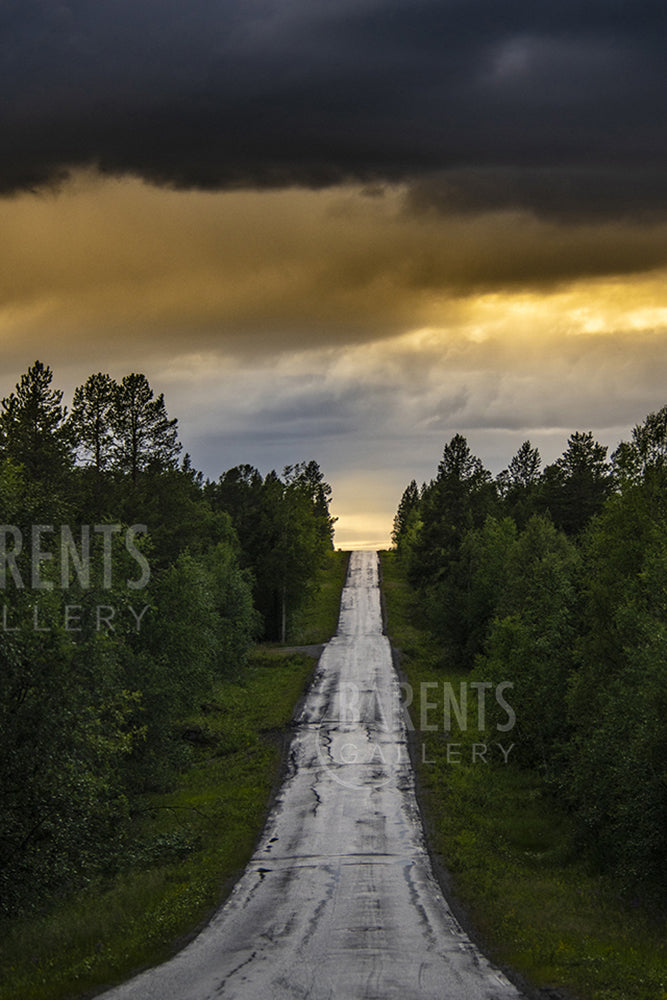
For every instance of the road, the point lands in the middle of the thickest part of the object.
(339, 901)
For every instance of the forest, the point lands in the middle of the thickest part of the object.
(129, 585)
(554, 579)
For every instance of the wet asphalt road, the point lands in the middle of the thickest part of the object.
(339, 901)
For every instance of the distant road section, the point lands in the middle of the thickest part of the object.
(339, 901)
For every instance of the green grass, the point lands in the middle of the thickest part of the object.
(510, 849)
(317, 621)
(188, 845)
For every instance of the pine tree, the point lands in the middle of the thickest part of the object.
(91, 420)
(406, 513)
(33, 431)
(644, 459)
(145, 438)
(518, 484)
(309, 478)
(459, 498)
(576, 486)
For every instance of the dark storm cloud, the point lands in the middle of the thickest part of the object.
(569, 194)
(543, 98)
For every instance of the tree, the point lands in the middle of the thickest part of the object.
(617, 779)
(406, 514)
(644, 459)
(238, 623)
(91, 420)
(239, 493)
(459, 498)
(309, 478)
(524, 468)
(576, 486)
(531, 636)
(68, 724)
(33, 431)
(486, 557)
(518, 484)
(285, 531)
(145, 438)
(292, 559)
(88, 702)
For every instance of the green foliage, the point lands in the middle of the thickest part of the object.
(91, 420)
(459, 498)
(530, 639)
(125, 596)
(406, 515)
(144, 436)
(33, 432)
(575, 488)
(317, 619)
(564, 598)
(486, 561)
(518, 485)
(644, 459)
(67, 721)
(455, 502)
(236, 618)
(510, 848)
(180, 853)
(64, 718)
(617, 775)
(285, 531)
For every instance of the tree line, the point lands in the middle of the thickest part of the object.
(555, 579)
(129, 583)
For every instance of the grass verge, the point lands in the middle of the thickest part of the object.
(188, 845)
(317, 620)
(508, 849)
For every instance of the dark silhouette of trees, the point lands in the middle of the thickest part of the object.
(643, 461)
(575, 487)
(518, 484)
(285, 531)
(457, 500)
(33, 430)
(91, 421)
(144, 437)
(406, 514)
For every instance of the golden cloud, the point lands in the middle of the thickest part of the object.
(118, 267)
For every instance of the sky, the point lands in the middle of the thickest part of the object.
(342, 230)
